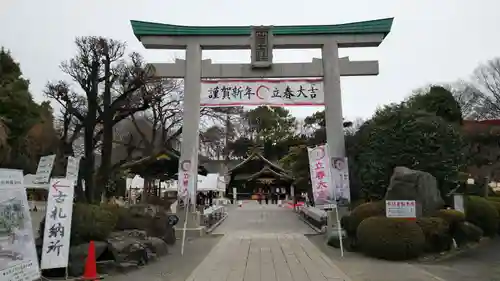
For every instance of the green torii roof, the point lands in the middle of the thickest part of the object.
(142, 28)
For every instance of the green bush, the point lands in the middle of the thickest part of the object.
(398, 136)
(370, 209)
(89, 222)
(134, 219)
(391, 239)
(494, 199)
(437, 234)
(467, 232)
(451, 216)
(483, 214)
(496, 204)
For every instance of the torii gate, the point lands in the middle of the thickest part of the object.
(262, 40)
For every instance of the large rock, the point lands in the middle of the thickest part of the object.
(133, 248)
(408, 184)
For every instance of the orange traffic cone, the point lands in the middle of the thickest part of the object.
(90, 271)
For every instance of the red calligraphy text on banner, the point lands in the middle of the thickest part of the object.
(321, 185)
(319, 165)
(185, 180)
(320, 174)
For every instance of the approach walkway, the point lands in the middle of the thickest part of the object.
(265, 243)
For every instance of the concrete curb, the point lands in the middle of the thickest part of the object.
(454, 253)
(319, 231)
(213, 227)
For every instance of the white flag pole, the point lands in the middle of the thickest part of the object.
(339, 228)
(333, 181)
(185, 226)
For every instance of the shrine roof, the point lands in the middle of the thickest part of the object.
(256, 155)
(161, 164)
(142, 28)
(267, 170)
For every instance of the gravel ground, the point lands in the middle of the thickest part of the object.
(173, 267)
(481, 263)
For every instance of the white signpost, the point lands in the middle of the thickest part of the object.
(401, 209)
(72, 168)
(18, 258)
(273, 92)
(55, 249)
(458, 202)
(44, 168)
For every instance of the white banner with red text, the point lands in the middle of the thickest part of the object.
(321, 178)
(272, 92)
(329, 178)
(186, 178)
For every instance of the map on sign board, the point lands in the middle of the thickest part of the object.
(401, 209)
(18, 258)
(44, 168)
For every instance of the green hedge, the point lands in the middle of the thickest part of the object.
(496, 204)
(467, 232)
(483, 214)
(391, 239)
(437, 234)
(351, 222)
(133, 219)
(89, 222)
(451, 216)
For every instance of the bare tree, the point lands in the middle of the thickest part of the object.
(486, 86)
(113, 87)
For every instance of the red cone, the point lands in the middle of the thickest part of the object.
(90, 272)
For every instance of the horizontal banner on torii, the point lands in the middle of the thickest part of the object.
(275, 92)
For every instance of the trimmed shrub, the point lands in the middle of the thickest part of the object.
(437, 234)
(366, 210)
(391, 239)
(494, 199)
(89, 222)
(496, 204)
(483, 214)
(452, 217)
(133, 219)
(467, 232)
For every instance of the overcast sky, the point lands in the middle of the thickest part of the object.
(430, 42)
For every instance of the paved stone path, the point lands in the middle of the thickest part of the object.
(265, 243)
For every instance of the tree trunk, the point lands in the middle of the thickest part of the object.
(107, 134)
(79, 193)
(89, 163)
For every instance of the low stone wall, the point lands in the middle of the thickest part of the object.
(316, 217)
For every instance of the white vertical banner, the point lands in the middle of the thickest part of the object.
(44, 168)
(340, 179)
(321, 178)
(18, 258)
(72, 168)
(56, 238)
(186, 181)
